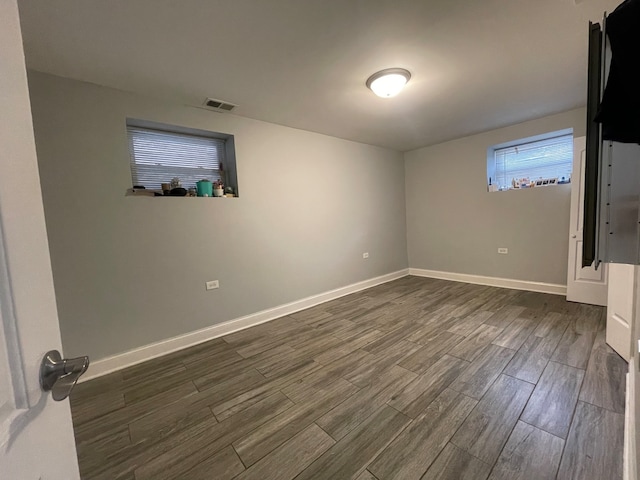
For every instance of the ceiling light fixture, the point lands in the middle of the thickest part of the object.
(389, 82)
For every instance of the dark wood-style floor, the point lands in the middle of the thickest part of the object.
(414, 379)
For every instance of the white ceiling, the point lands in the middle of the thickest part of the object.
(476, 65)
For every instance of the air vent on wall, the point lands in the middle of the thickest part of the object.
(219, 105)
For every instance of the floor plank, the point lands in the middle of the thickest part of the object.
(516, 333)
(292, 457)
(91, 455)
(589, 319)
(366, 475)
(218, 367)
(478, 377)
(390, 339)
(554, 399)
(574, 348)
(181, 458)
(456, 464)
(604, 383)
(552, 325)
(165, 421)
(529, 454)
(348, 346)
(233, 386)
(595, 445)
(143, 388)
(248, 398)
(487, 428)
(86, 391)
(474, 304)
(96, 407)
(532, 358)
(471, 347)
(273, 433)
(300, 390)
(352, 454)
(225, 465)
(504, 316)
(349, 414)
(381, 363)
(419, 394)
(422, 359)
(411, 454)
(87, 432)
(125, 461)
(466, 325)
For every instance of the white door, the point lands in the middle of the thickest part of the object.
(621, 308)
(584, 285)
(36, 433)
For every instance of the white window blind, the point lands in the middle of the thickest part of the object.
(548, 158)
(158, 156)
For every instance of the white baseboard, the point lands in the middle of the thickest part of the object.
(492, 281)
(132, 357)
(107, 365)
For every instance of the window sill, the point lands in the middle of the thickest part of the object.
(493, 188)
(131, 192)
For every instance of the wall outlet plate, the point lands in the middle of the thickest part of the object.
(212, 285)
(365, 255)
(503, 250)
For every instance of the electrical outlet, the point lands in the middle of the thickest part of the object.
(503, 250)
(212, 285)
(365, 255)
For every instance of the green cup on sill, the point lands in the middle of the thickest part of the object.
(204, 188)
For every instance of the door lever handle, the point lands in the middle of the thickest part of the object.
(59, 375)
(573, 235)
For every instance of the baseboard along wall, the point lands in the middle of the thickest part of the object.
(113, 363)
(541, 287)
(123, 360)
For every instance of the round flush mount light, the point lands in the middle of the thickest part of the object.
(388, 83)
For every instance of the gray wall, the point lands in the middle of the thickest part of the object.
(455, 225)
(131, 271)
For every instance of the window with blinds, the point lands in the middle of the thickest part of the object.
(539, 161)
(157, 156)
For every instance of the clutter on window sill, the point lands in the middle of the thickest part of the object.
(204, 188)
(521, 183)
(179, 192)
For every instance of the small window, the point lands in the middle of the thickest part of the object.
(160, 153)
(531, 162)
